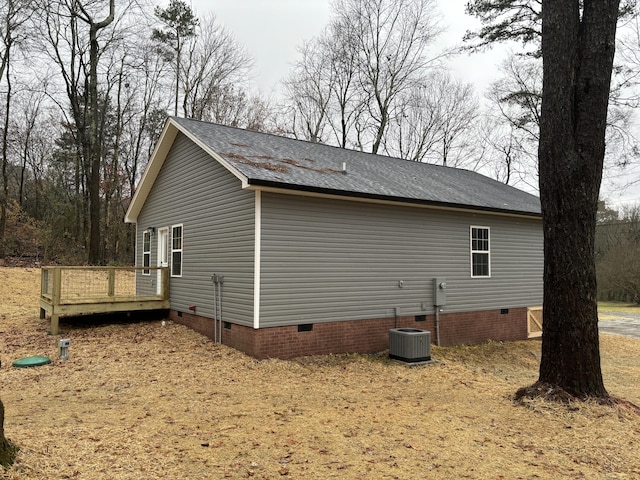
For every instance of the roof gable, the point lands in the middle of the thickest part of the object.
(268, 161)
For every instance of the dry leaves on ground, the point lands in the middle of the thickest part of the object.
(143, 401)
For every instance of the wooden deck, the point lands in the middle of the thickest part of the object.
(84, 290)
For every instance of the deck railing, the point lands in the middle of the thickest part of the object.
(75, 290)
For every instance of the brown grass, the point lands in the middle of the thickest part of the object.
(142, 401)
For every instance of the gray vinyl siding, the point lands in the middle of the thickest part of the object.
(326, 260)
(194, 190)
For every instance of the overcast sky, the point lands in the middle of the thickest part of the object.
(271, 30)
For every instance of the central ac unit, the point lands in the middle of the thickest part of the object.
(410, 344)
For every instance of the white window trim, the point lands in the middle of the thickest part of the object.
(146, 252)
(181, 250)
(472, 251)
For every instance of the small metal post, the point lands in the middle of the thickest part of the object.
(64, 348)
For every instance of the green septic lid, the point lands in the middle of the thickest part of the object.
(35, 361)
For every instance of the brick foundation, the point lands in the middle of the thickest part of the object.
(362, 336)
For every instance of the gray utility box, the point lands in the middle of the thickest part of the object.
(410, 344)
(439, 292)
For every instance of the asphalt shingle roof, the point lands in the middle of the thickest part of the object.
(270, 160)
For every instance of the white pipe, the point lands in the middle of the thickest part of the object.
(437, 326)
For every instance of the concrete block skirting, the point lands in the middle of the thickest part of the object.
(362, 336)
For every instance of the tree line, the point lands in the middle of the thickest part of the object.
(86, 86)
(617, 253)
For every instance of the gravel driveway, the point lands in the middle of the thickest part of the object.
(620, 324)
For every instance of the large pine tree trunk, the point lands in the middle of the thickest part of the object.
(7, 449)
(578, 59)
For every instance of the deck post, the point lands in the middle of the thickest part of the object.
(112, 282)
(57, 280)
(56, 293)
(54, 329)
(44, 281)
(165, 283)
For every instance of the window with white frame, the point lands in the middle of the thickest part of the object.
(480, 252)
(176, 251)
(146, 252)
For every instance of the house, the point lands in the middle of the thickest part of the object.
(281, 248)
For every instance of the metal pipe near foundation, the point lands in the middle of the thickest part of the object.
(217, 280)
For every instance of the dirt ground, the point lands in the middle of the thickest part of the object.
(143, 401)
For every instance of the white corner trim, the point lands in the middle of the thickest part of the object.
(256, 259)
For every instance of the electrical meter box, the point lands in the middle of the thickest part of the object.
(439, 291)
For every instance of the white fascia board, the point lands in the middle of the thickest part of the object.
(160, 152)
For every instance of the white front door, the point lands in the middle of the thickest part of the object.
(163, 254)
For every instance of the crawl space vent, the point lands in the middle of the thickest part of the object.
(410, 344)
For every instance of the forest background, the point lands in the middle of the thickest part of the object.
(86, 87)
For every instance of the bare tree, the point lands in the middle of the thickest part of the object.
(144, 104)
(513, 119)
(435, 122)
(308, 89)
(415, 132)
(214, 62)
(77, 36)
(238, 108)
(518, 94)
(348, 100)
(459, 107)
(27, 119)
(93, 140)
(36, 134)
(13, 15)
(506, 158)
(516, 100)
(353, 82)
(392, 37)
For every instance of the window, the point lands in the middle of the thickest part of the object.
(480, 253)
(146, 251)
(176, 251)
